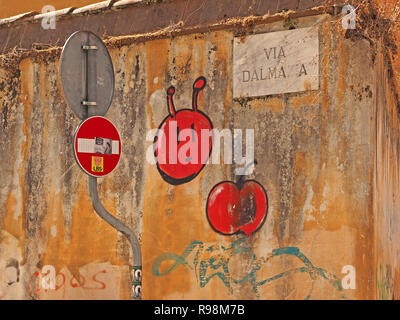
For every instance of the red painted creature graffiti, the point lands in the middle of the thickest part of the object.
(183, 142)
(237, 207)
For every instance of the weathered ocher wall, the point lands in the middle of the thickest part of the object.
(317, 158)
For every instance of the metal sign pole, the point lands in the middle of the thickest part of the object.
(117, 224)
(84, 61)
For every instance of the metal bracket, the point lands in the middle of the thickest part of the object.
(87, 47)
(117, 224)
(89, 103)
(85, 102)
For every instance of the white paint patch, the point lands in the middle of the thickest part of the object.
(53, 231)
(155, 80)
(10, 288)
(326, 191)
(339, 165)
(308, 207)
(325, 194)
(158, 103)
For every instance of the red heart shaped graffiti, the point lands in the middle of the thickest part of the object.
(234, 207)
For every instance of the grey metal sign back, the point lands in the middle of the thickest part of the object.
(87, 75)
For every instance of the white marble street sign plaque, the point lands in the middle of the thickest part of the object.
(276, 62)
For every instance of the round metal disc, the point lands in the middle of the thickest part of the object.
(97, 146)
(87, 75)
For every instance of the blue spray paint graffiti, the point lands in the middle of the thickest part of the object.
(218, 265)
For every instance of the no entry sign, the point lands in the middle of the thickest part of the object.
(97, 146)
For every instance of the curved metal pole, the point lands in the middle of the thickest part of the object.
(117, 224)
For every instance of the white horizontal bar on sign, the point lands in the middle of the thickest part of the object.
(85, 145)
(115, 147)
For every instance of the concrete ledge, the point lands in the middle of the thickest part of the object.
(19, 17)
(130, 18)
(104, 5)
(124, 3)
(57, 13)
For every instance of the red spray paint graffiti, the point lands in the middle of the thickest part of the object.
(237, 207)
(60, 280)
(183, 142)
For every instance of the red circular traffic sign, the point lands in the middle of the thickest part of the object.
(97, 146)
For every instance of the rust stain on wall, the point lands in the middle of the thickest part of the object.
(386, 184)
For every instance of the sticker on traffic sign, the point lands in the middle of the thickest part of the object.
(97, 146)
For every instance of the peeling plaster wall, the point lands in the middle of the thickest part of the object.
(316, 154)
(387, 186)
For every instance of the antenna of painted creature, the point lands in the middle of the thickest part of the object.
(198, 85)
(170, 101)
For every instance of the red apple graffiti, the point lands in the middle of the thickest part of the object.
(171, 169)
(237, 207)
